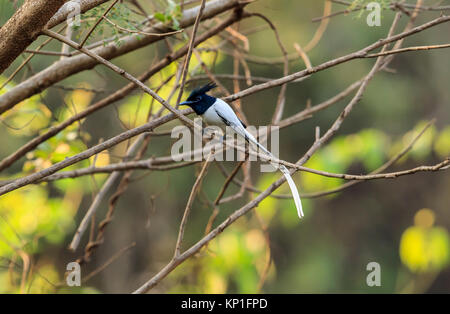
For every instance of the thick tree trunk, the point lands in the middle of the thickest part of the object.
(23, 28)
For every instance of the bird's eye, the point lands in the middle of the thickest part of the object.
(198, 98)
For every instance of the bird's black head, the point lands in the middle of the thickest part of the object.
(198, 100)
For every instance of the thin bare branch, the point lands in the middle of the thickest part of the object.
(190, 201)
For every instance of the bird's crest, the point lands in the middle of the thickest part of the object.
(201, 90)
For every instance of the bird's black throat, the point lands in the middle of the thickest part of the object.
(203, 104)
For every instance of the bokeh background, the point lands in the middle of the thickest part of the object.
(402, 224)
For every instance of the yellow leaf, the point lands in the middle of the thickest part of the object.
(424, 249)
(442, 145)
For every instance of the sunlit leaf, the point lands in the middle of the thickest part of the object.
(442, 144)
(424, 248)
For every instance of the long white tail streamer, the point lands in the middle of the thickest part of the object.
(247, 135)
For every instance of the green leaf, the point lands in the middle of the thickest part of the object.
(160, 17)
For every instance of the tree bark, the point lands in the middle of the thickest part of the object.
(66, 9)
(23, 28)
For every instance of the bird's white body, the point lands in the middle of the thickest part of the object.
(222, 115)
(211, 116)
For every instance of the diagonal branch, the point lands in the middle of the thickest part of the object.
(190, 201)
(68, 9)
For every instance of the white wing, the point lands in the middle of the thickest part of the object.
(226, 112)
(228, 117)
